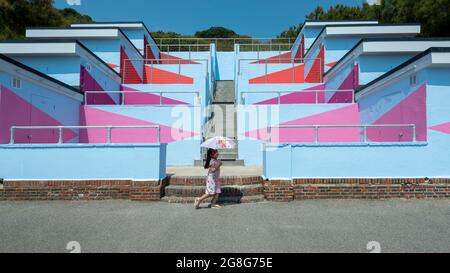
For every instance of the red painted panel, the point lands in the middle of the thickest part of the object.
(127, 69)
(158, 76)
(291, 75)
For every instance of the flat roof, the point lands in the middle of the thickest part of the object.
(433, 56)
(119, 24)
(49, 47)
(318, 23)
(367, 30)
(389, 45)
(78, 33)
(110, 24)
(39, 74)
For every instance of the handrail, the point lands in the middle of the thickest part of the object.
(153, 62)
(270, 45)
(160, 93)
(279, 93)
(179, 46)
(61, 128)
(272, 61)
(364, 127)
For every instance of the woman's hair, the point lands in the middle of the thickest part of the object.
(209, 155)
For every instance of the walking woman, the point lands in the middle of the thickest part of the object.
(213, 187)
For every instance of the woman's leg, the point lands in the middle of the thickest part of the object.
(215, 199)
(198, 201)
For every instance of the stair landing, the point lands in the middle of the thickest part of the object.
(225, 171)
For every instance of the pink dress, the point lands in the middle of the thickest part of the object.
(213, 180)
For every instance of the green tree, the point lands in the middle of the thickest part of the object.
(434, 15)
(16, 15)
(216, 32)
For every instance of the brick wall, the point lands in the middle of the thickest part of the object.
(279, 190)
(2, 197)
(371, 188)
(275, 190)
(83, 190)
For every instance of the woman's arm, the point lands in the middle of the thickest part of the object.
(213, 168)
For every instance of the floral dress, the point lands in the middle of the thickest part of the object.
(213, 180)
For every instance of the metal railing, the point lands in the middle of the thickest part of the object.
(363, 127)
(168, 48)
(303, 92)
(264, 47)
(223, 44)
(293, 63)
(128, 77)
(61, 128)
(123, 95)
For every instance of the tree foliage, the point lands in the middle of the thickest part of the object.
(434, 15)
(16, 15)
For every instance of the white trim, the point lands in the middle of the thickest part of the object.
(97, 33)
(399, 30)
(324, 23)
(37, 48)
(119, 25)
(401, 46)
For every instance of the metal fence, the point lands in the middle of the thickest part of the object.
(302, 97)
(362, 132)
(222, 44)
(129, 97)
(149, 76)
(46, 132)
(314, 76)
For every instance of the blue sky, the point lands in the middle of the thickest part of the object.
(259, 18)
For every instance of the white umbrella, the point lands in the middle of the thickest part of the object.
(219, 143)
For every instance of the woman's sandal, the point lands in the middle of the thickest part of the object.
(216, 206)
(197, 203)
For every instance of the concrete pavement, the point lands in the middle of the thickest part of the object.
(301, 226)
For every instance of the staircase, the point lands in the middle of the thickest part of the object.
(224, 122)
(245, 189)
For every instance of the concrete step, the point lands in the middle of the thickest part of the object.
(228, 163)
(225, 180)
(224, 92)
(227, 191)
(223, 200)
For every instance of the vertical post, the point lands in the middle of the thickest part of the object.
(414, 133)
(60, 136)
(279, 98)
(124, 72)
(12, 135)
(158, 131)
(317, 97)
(265, 73)
(179, 71)
(160, 98)
(293, 70)
(109, 135)
(269, 134)
(151, 72)
(317, 134)
(365, 133)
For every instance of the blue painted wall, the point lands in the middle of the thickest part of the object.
(423, 159)
(34, 162)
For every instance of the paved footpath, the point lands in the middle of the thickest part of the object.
(307, 226)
